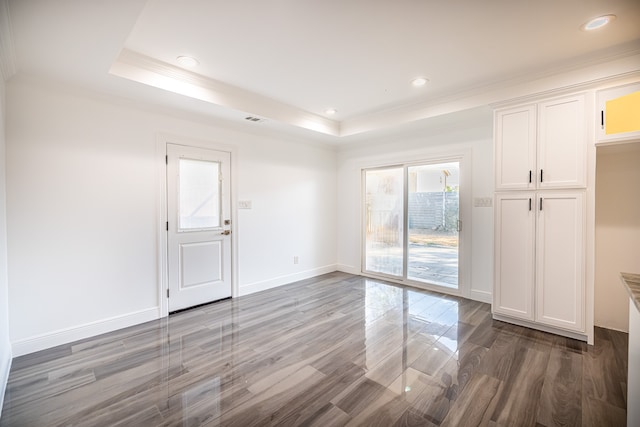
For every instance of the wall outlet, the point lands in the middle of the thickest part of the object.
(244, 204)
(295, 259)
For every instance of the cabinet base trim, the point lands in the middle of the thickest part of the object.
(543, 328)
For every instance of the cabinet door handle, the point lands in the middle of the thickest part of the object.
(529, 177)
(602, 119)
(540, 203)
(529, 203)
(541, 175)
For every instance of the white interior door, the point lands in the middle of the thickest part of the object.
(199, 226)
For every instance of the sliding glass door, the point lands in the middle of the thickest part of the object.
(412, 222)
(433, 217)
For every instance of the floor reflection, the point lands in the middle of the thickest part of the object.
(431, 365)
(405, 340)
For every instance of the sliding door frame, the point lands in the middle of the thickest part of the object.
(464, 236)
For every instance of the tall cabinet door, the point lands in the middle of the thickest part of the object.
(560, 260)
(562, 146)
(514, 254)
(515, 149)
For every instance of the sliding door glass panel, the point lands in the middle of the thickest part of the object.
(384, 240)
(433, 213)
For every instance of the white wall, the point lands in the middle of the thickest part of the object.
(474, 136)
(292, 191)
(81, 211)
(617, 231)
(5, 344)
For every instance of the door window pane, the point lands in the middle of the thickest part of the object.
(433, 213)
(199, 194)
(384, 221)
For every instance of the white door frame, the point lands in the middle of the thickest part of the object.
(161, 212)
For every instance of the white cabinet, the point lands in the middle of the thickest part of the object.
(542, 145)
(562, 145)
(618, 114)
(515, 148)
(539, 258)
(540, 215)
(514, 280)
(560, 260)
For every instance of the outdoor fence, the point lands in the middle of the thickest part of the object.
(435, 211)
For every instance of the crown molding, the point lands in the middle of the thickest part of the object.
(574, 76)
(7, 51)
(143, 69)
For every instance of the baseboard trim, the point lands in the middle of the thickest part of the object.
(286, 279)
(481, 296)
(543, 328)
(4, 375)
(348, 269)
(65, 336)
(625, 330)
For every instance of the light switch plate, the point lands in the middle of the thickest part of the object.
(482, 202)
(244, 204)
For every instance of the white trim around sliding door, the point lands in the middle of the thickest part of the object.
(464, 262)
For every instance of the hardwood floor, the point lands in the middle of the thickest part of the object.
(330, 351)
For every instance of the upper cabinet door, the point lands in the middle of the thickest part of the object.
(619, 114)
(562, 144)
(515, 148)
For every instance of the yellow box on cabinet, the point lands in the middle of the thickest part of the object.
(623, 114)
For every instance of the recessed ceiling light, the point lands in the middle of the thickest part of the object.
(598, 22)
(419, 81)
(330, 111)
(187, 61)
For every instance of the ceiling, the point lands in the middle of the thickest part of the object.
(287, 61)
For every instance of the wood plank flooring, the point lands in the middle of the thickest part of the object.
(335, 350)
